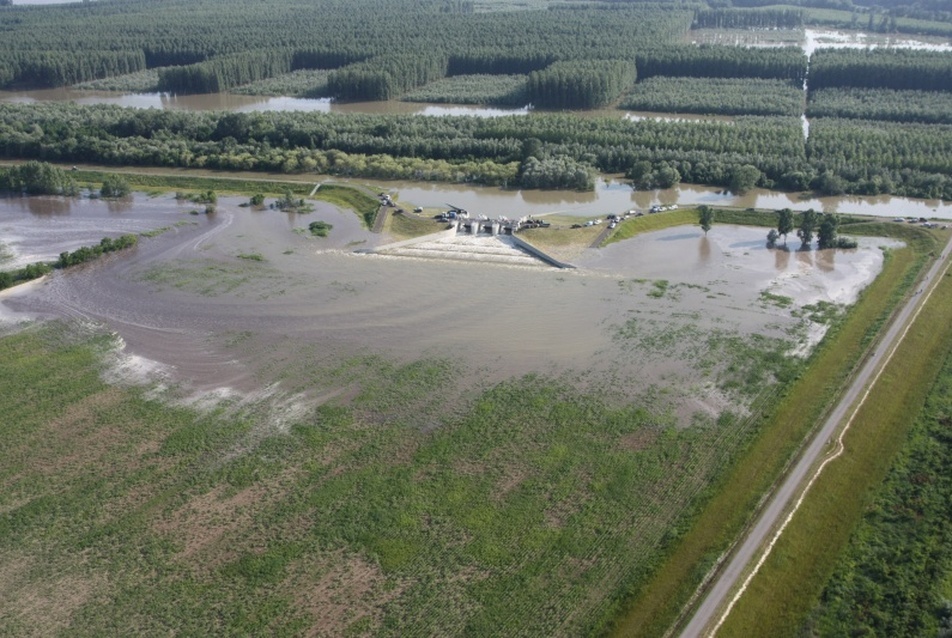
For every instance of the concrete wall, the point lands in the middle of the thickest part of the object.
(526, 246)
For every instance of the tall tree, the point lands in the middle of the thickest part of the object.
(705, 217)
(807, 228)
(784, 223)
(826, 235)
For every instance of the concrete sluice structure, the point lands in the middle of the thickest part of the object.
(497, 249)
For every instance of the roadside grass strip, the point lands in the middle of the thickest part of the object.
(791, 576)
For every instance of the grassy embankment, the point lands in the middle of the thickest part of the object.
(792, 578)
(189, 181)
(731, 502)
(354, 197)
(357, 199)
(409, 225)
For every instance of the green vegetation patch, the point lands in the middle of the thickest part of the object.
(889, 580)
(715, 96)
(502, 90)
(319, 228)
(406, 225)
(930, 107)
(771, 299)
(420, 516)
(212, 278)
(305, 83)
(649, 223)
(355, 199)
(145, 81)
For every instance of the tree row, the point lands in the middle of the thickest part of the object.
(902, 69)
(715, 96)
(927, 107)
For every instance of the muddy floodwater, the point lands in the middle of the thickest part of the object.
(615, 196)
(241, 299)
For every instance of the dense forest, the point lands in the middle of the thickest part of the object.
(926, 107)
(550, 55)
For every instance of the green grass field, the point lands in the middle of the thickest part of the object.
(124, 514)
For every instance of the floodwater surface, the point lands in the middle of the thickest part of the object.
(611, 196)
(242, 298)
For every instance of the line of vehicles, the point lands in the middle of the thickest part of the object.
(455, 213)
(922, 221)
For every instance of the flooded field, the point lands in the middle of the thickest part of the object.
(812, 39)
(239, 300)
(486, 416)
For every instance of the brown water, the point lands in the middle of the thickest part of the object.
(614, 196)
(186, 302)
(245, 103)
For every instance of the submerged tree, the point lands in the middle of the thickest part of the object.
(826, 235)
(772, 237)
(114, 186)
(37, 178)
(807, 228)
(705, 217)
(784, 223)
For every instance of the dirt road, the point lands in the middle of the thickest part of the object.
(729, 586)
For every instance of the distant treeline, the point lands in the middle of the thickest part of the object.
(386, 77)
(64, 68)
(53, 46)
(716, 96)
(578, 84)
(785, 63)
(881, 68)
(926, 107)
(731, 18)
(365, 144)
(841, 156)
(383, 48)
(221, 74)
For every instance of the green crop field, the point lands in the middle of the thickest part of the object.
(123, 514)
